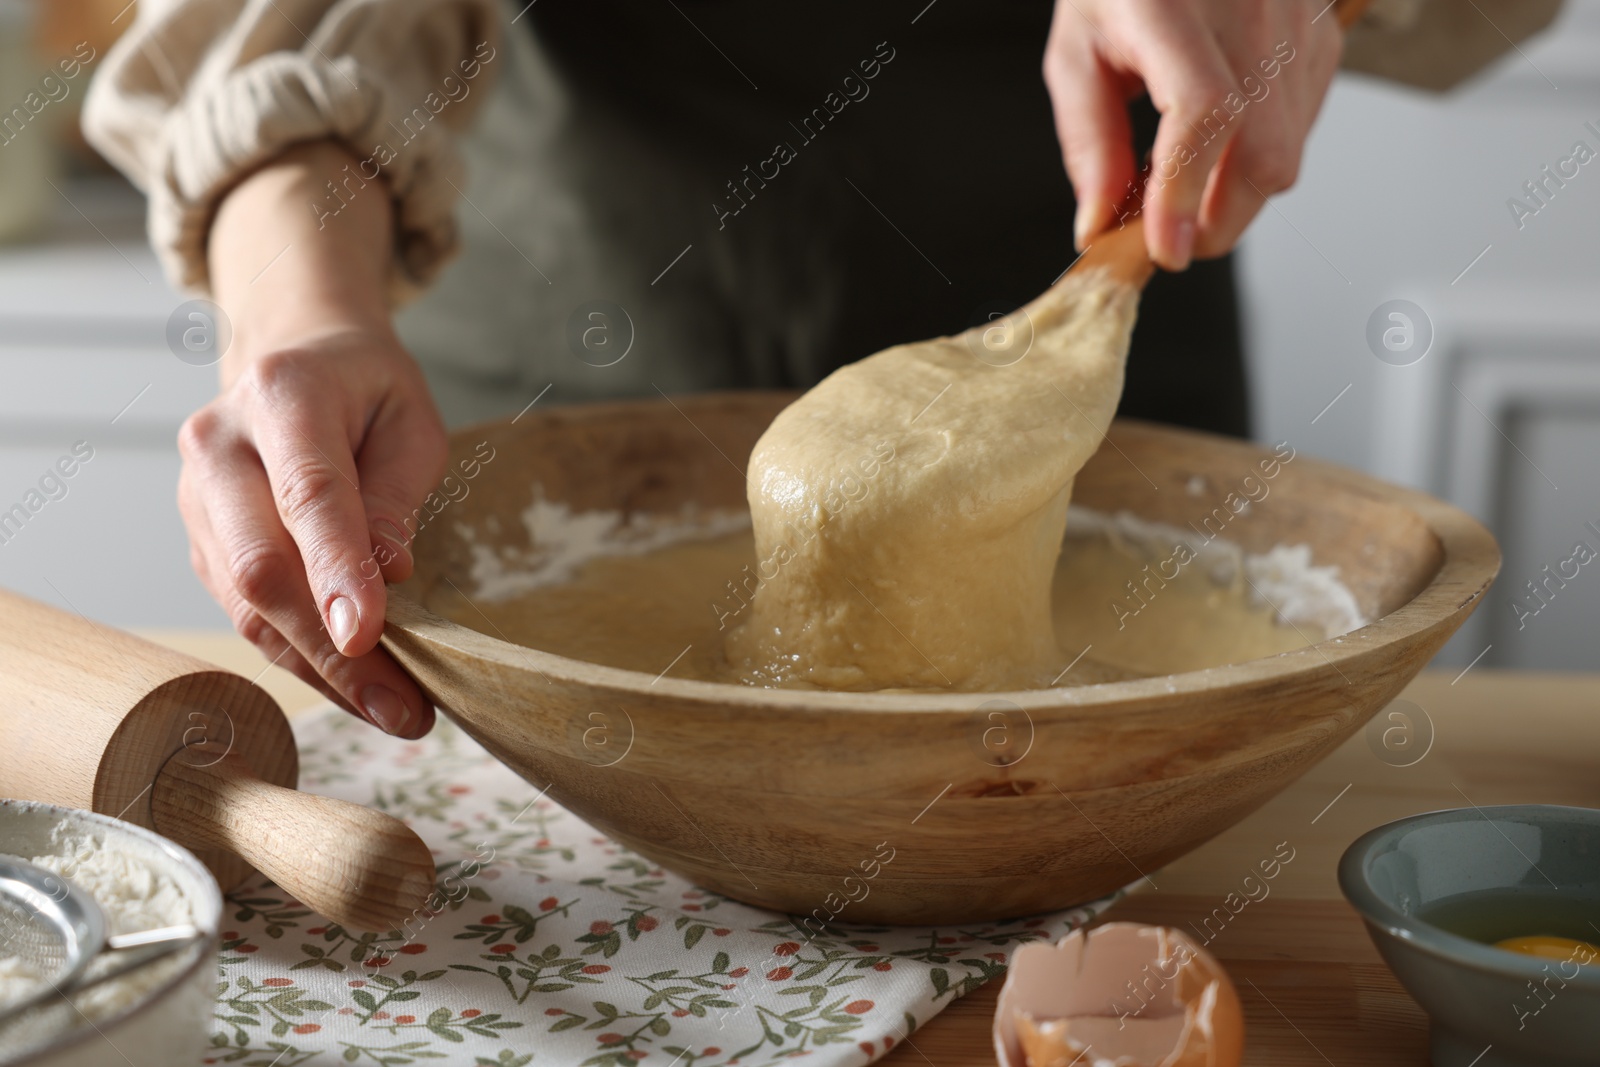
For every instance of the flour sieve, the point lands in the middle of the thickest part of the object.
(52, 932)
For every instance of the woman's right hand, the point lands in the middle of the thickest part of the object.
(1238, 84)
(301, 479)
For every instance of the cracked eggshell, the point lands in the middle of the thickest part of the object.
(1135, 995)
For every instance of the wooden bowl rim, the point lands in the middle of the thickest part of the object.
(1471, 560)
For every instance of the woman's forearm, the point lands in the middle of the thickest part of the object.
(291, 258)
(297, 477)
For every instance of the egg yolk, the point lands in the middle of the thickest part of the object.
(1551, 948)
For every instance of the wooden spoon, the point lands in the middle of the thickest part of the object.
(1121, 253)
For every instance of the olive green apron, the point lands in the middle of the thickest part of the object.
(715, 195)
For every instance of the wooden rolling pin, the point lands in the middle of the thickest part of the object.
(92, 717)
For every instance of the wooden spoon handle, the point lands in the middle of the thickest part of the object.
(1121, 253)
(361, 868)
(1350, 11)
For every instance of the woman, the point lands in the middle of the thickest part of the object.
(746, 195)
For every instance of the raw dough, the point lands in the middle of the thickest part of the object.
(909, 509)
(667, 612)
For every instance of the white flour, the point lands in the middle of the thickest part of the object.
(18, 979)
(1283, 578)
(561, 541)
(128, 881)
(1302, 593)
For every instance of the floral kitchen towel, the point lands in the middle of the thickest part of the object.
(554, 946)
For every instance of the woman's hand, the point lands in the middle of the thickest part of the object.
(1238, 84)
(299, 479)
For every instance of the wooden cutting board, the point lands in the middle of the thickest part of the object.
(1314, 990)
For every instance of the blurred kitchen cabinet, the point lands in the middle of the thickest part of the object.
(1408, 196)
(84, 362)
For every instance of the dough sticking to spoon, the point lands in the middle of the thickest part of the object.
(908, 511)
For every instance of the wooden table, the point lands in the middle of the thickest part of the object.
(1315, 992)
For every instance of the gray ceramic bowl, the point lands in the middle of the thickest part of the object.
(1490, 1007)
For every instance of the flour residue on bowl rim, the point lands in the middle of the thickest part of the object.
(561, 541)
(1283, 578)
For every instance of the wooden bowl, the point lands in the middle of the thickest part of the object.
(884, 807)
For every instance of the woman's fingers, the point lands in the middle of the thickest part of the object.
(1090, 103)
(300, 432)
(1263, 159)
(400, 462)
(1189, 81)
(1238, 84)
(280, 653)
(246, 621)
(1285, 79)
(253, 567)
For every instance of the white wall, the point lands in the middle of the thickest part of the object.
(82, 336)
(1399, 193)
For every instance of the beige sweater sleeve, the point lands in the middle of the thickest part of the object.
(198, 93)
(1438, 44)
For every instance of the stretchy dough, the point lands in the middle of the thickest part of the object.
(908, 510)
